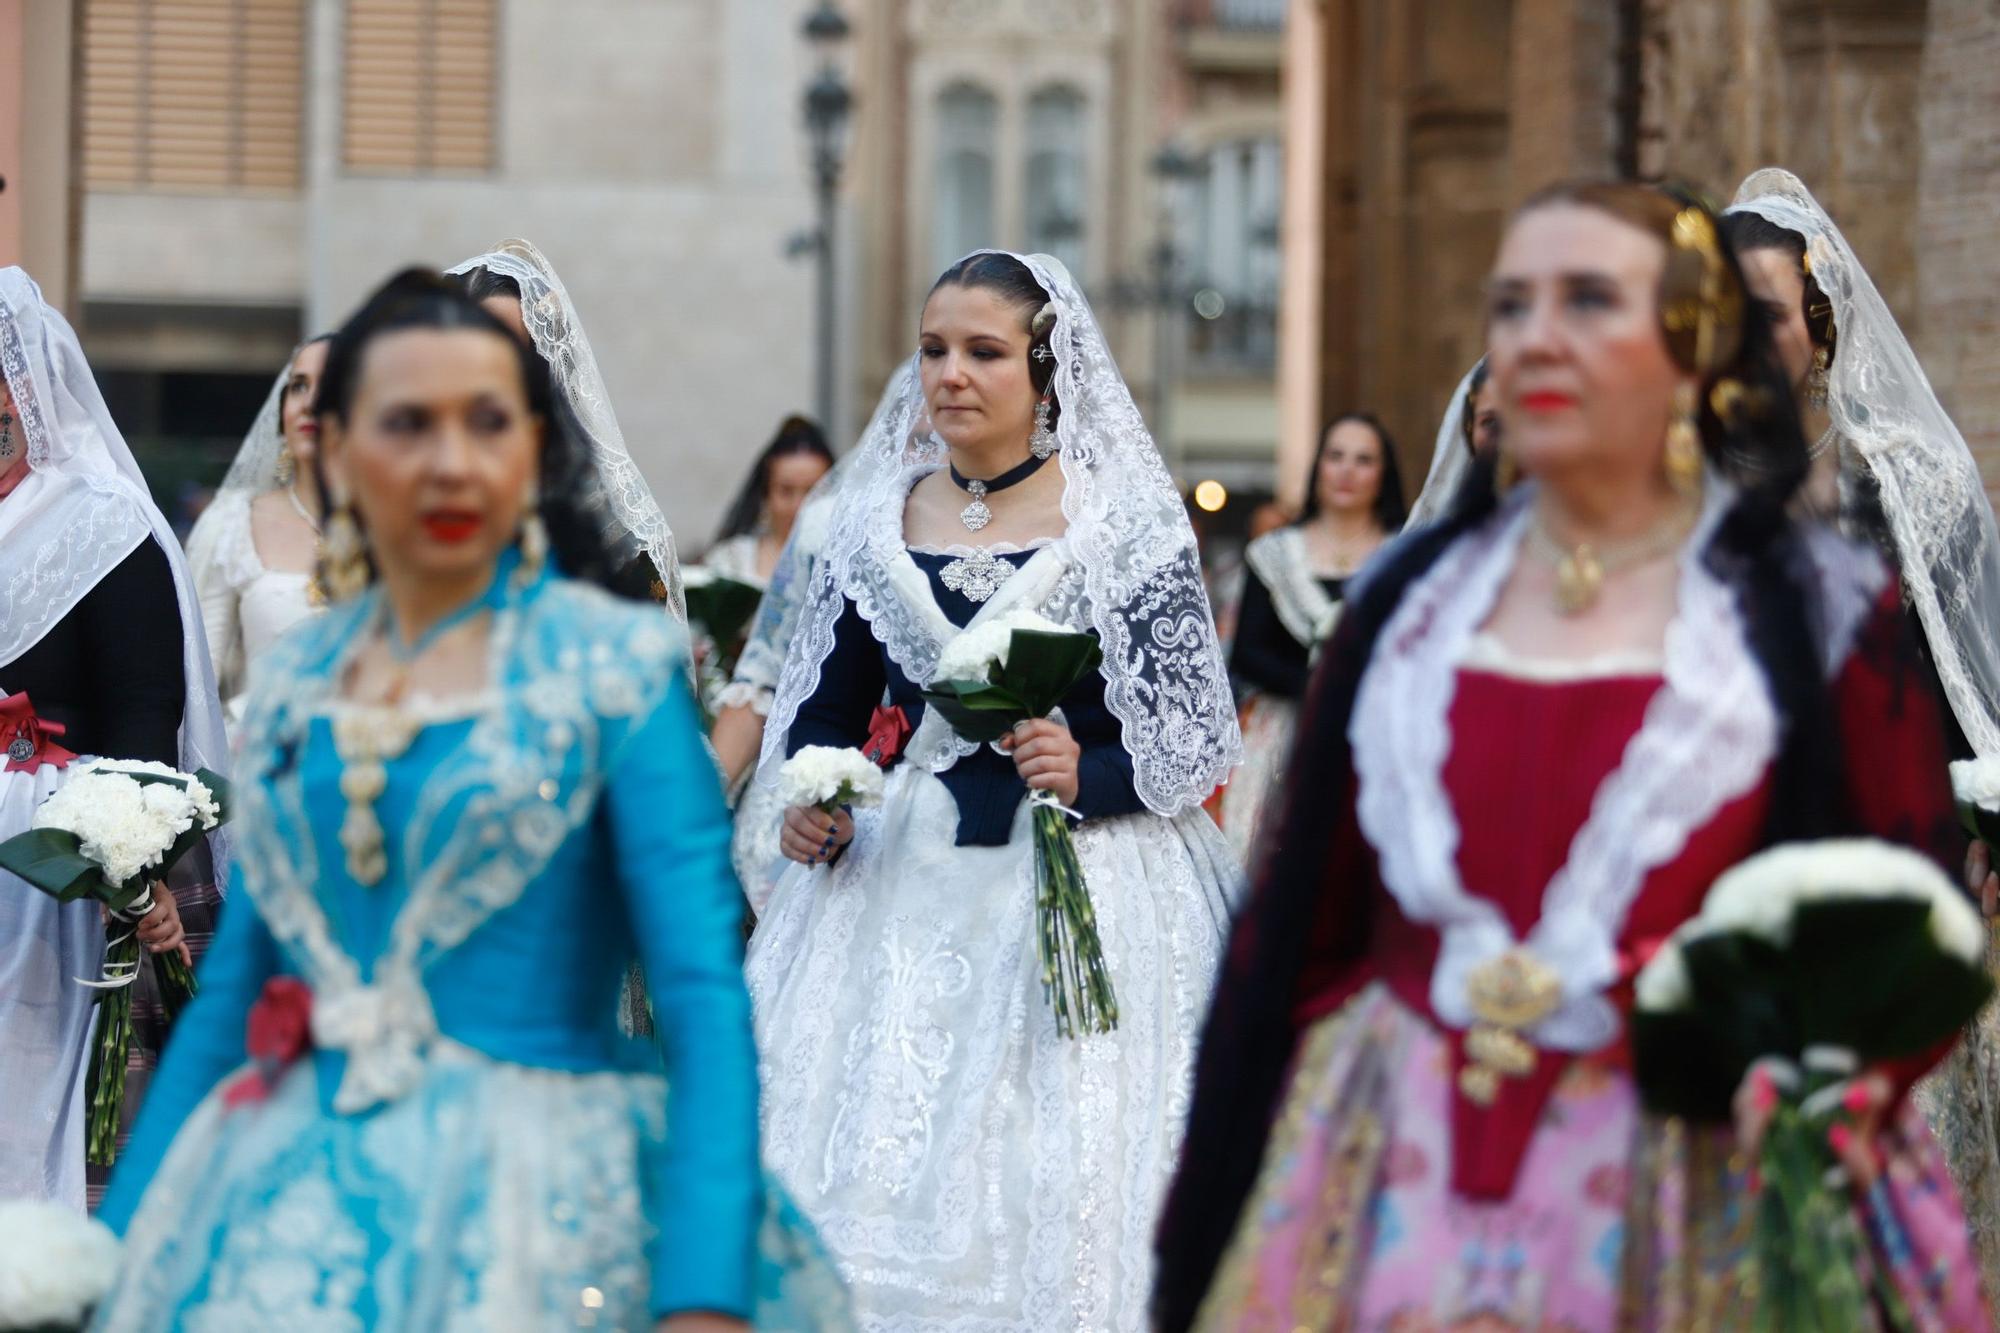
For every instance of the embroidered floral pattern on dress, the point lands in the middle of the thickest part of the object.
(896, 1061)
(486, 822)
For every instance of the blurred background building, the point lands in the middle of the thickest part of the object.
(1414, 126)
(1282, 209)
(245, 170)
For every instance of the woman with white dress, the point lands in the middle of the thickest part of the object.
(101, 653)
(760, 519)
(253, 548)
(969, 1166)
(1292, 592)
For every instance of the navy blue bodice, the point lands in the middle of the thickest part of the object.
(858, 676)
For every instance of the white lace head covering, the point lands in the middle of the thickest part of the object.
(1129, 540)
(1450, 459)
(558, 334)
(1883, 407)
(82, 509)
(254, 470)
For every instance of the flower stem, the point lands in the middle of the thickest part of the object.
(1074, 976)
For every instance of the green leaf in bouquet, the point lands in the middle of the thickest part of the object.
(1689, 1062)
(1043, 666)
(49, 859)
(1874, 980)
(1981, 823)
(723, 607)
(218, 787)
(1681, 1067)
(976, 710)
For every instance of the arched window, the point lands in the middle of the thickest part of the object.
(967, 119)
(1055, 175)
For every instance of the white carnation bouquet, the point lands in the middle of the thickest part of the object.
(1809, 961)
(830, 777)
(110, 833)
(1976, 785)
(990, 678)
(55, 1266)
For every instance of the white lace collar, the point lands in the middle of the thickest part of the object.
(1708, 736)
(1282, 560)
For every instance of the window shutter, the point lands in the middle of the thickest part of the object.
(419, 86)
(193, 94)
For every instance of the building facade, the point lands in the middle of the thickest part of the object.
(1415, 126)
(1136, 141)
(252, 169)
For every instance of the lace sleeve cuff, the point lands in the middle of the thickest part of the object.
(743, 694)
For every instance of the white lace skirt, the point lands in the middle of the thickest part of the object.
(969, 1169)
(753, 845)
(45, 1017)
(1252, 794)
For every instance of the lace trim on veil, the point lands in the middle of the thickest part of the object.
(1137, 570)
(1946, 542)
(558, 335)
(1282, 561)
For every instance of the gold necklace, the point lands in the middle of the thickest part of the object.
(1582, 567)
(367, 737)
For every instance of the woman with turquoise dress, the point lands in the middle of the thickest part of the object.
(470, 796)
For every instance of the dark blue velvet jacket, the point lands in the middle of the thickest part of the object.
(858, 676)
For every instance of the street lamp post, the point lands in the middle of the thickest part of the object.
(1172, 167)
(829, 103)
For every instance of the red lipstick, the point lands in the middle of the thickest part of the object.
(1547, 400)
(451, 526)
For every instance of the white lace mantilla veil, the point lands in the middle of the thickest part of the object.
(1936, 505)
(254, 470)
(1450, 459)
(1129, 539)
(82, 510)
(558, 333)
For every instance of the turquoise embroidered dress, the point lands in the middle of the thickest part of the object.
(471, 1143)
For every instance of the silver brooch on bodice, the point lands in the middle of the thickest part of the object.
(975, 515)
(978, 576)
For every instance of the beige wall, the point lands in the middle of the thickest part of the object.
(1958, 220)
(651, 150)
(37, 208)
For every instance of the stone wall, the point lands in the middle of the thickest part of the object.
(1443, 115)
(1958, 220)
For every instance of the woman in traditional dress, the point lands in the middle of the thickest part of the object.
(760, 518)
(1469, 431)
(1291, 600)
(101, 654)
(520, 287)
(1549, 723)
(967, 1164)
(1891, 468)
(469, 796)
(745, 702)
(253, 548)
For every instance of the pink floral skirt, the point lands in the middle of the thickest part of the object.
(1618, 1220)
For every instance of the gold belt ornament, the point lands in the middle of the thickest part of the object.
(1509, 994)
